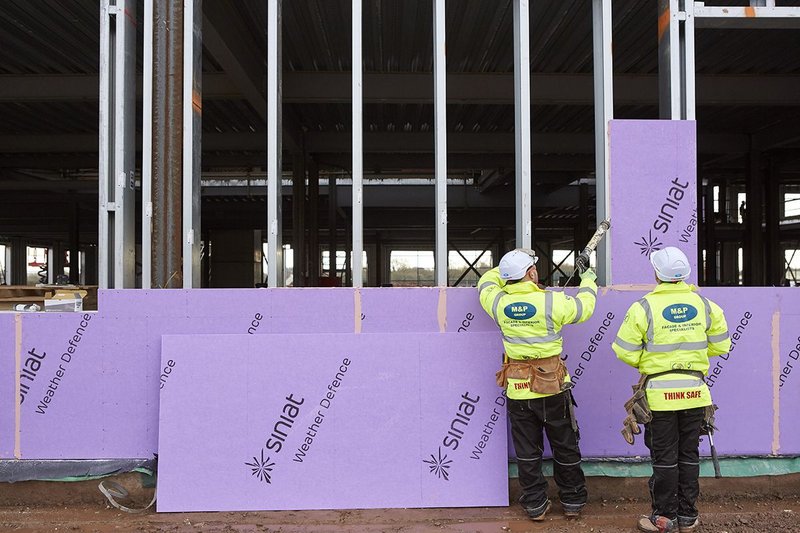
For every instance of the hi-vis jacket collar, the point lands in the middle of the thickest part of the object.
(522, 287)
(680, 286)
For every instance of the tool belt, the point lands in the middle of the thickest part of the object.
(638, 410)
(546, 375)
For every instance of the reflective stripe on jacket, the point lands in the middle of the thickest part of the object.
(673, 327)
(530, 319)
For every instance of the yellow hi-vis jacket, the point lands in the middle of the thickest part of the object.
(530, 320)
(673, 327)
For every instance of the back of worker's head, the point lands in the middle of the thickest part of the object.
(515, 264)
(670, 264)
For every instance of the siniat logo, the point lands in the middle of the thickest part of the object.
(649, 244)
(670, 206)
(439, 466)
(519, 310)
(679, 313)
(262, 468)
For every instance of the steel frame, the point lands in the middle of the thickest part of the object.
(603, 114)
(274, 131)
(117, 196)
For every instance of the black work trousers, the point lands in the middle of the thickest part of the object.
(528, 419)
(673, 438)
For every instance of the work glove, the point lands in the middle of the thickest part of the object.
(588, 274)
(629, 429)
(582, 262)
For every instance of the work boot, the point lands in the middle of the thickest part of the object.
(688, 523)
(537, 513)
(657, 524)
(572, 510)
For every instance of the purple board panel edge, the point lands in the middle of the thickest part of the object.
(8, 393)
(376, 420)
(106, 404)
(652, 184)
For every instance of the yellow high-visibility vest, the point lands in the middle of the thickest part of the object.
(673, 328)
(530, 320)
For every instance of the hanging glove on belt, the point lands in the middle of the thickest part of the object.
(638, 411)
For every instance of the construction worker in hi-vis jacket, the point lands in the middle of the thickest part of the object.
(668, 336)
(536, 381)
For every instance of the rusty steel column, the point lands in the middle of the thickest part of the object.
(167, 143)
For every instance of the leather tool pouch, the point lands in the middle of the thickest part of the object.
(546, 376)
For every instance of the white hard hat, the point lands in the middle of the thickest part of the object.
(515, 264)
(670, 264)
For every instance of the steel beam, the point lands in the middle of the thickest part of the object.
(751, 17)
(548, 89)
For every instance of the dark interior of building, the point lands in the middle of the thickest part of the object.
(748, 124)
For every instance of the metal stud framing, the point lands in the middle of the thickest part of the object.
(603, 113)
(192, 109)
(116, 236)
(358, 149)
(274, 168)
(522, 123)
(147, 146)
(440, 126)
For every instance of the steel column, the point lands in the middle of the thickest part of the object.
(74, 243)
(709, 223)
(753, 249)
(522, 123)
(167, 158)
(440, 150)
(314, 257)
(669, 60)
(117, 235)
(603, 113)
(775, 254)
(18, 263)
(298, 220)
(274, 131)
(358, 149)
(332, 226)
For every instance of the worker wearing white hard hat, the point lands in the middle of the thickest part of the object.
(536, 381)
(668, 337)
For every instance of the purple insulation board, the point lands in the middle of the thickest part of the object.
(652, 182)
(330, 421)
(104, 404)
(787, 373)
(8, 391)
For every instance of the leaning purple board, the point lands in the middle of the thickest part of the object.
(652, 183)
(331, 421)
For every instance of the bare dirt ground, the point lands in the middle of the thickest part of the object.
(743, 505)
